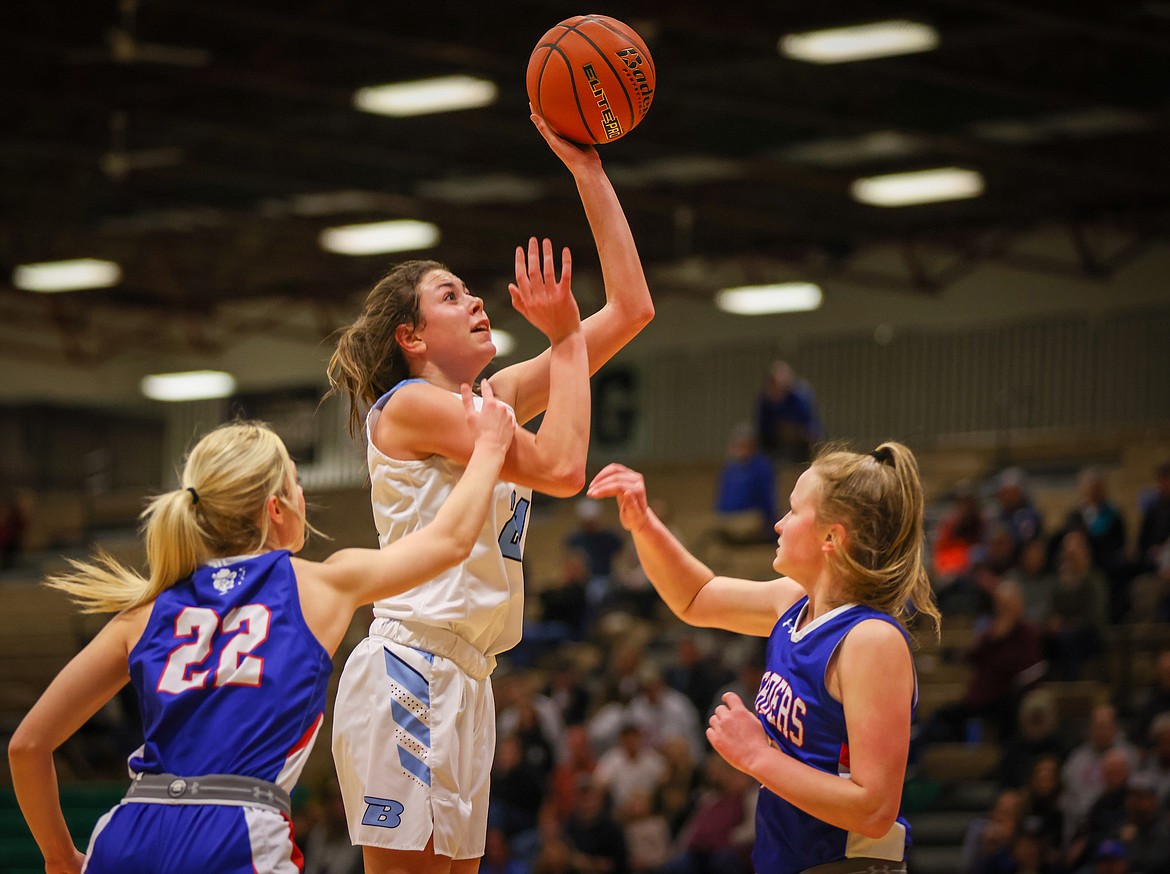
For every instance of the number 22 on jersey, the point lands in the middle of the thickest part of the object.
(248, 626)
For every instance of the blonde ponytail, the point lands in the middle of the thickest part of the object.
(877, 497)
(219, 511)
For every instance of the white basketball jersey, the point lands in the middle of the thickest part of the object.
(482, 599)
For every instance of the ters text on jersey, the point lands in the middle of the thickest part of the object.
(783, 710)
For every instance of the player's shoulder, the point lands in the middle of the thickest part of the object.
(876, 633)
(417, 403)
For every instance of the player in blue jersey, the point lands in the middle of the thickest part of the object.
(422, 332)
(829, 732)
(228, 643)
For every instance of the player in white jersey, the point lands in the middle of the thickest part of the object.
(228, 643)
(414, 719)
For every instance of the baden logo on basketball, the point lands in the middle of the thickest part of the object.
(632, 59)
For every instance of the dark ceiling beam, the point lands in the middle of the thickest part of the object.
(349, 35)
(1094, 28)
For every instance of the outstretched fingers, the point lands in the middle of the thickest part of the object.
(615, 479)
(628, 487)
(539, 296)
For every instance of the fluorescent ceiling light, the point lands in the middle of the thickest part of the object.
(503, 341)
(424, 96)
(758, 300)
(842, 152)
(375, 238)
(193, 385)
(920, 186)
(492, 188)
(839, 45)
(74, 275)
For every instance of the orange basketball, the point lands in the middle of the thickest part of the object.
(592, 78)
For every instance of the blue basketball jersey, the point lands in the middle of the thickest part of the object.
(808, 724)
(229, 677)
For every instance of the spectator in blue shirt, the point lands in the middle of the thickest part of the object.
(787, 421)
(745, 502)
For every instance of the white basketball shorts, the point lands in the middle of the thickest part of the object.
(413, 740)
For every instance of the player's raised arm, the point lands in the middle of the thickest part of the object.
(628, 306)
(690, 589)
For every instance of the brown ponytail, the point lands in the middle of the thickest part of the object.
(368, 361)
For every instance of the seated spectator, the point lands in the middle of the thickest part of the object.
(517, 791)
(1104, 529)
(598, 843)
(631, 766)
(1107, 813)
(1154, 531)
(620, 684)
(745, 497)
(1006, 659)
(1035, 579)
(1149, 592)
(665, 713)
(574, 768)
(568, 691)
(1075, 629)
(1100, 519)
(677, 796)
(718, 835)
(1038, 736)
(697, 671)
(1153, 701)
(988, 841)
(562, 601)
(1043, 816)
(1000, 553)
(1027, 855)
(1146, 829)
(533, 718)
(1015, 508)
(957, 533)
(647, 832)
(788, 424)
(1155, 763)
(1083, 772)
(597, 540)
(600, 543)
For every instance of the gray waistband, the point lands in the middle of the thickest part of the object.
(208, 789)
(858, 866)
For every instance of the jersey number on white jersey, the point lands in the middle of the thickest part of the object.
(513, 531)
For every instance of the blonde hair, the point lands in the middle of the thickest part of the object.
(219, 510)
(368, 361)
(877, 497)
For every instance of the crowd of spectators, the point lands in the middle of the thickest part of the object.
(602, 767)
(1043, 601)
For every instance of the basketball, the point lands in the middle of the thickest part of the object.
(592, 79)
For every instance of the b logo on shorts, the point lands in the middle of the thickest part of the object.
(382, 812)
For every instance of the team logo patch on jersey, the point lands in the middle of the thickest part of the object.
(225, 580)
(382, 812)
